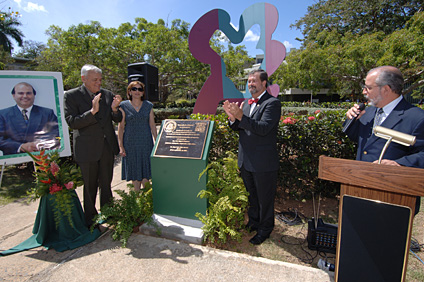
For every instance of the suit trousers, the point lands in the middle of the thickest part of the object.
(262, 187)
(97, 174)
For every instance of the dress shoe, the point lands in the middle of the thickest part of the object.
(101, 227)
(258, 239)
(251, 228)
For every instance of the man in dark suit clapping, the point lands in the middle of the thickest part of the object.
(89, 111)
(257, 120)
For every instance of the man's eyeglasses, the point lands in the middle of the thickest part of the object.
(368, 88)
(141, 89)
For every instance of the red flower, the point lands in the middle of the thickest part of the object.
(46, 181)
(289, 120)
(55, 188)
(311, 118)
(317, 111)
(69, 185)
(54, 168)
(42, 163)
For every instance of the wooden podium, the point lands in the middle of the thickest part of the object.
(376, 210)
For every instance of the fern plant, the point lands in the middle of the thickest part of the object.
(227, 198)
(124, 214)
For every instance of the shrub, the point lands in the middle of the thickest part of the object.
(171, 113)
(227, 198)
(324, 105)
(224, 138)
(302, 138)
(132, 210)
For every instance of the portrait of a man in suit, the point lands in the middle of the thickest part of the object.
(26, 127)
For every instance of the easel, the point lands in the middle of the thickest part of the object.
(2, 171)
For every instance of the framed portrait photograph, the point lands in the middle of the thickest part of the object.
(31, 115)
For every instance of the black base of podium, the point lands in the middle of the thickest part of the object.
(373, 244)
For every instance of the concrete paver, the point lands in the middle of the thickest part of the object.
(146, 258)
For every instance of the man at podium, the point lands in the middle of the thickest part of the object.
(387, 108)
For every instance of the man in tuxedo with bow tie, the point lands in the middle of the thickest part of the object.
(26, 127)
(89, 111)
(383, 90)
(257, 124)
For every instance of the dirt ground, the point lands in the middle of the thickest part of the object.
(288, 242)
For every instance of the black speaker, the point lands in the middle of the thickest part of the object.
(147, 74)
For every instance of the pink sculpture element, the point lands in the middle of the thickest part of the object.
(275, 51)
(218, 86)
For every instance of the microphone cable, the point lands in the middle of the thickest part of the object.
(291, 217)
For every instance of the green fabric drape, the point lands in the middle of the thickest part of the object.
(64, 237)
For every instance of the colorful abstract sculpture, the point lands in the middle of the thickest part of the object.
(218, 86)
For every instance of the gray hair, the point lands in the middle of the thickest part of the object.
(86, 68)
(391, 76)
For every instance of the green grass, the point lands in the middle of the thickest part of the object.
(17, 180)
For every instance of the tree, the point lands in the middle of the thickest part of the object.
(5, 58)
(339, 56)
(30, 49)
(112, 49)
(9, 30)
(356, 16)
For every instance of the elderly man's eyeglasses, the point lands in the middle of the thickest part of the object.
(368, 88)
(141, 89)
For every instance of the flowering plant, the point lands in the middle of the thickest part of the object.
(56, 178)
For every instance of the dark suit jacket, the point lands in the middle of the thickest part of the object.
(404, 118)
(14, 131)
(258, 135)
(90, 131)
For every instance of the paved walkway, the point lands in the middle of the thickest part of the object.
(145, 258)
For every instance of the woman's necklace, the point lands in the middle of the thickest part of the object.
(136, 107)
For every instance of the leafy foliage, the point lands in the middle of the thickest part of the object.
(227, 198)
(340, 47)
(131, 210)
(56, 178)
(9, 30)
(224, 139)
(30, 49)
(302, 139)
(112, 49)
(356, 16)
(304, 134)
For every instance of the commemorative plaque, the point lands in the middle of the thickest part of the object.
(182, 139)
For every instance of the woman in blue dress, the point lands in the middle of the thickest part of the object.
(136, 135)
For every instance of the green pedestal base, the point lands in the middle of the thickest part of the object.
(176, 183)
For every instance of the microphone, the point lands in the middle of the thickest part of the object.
(395, 136)
(350, 121)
